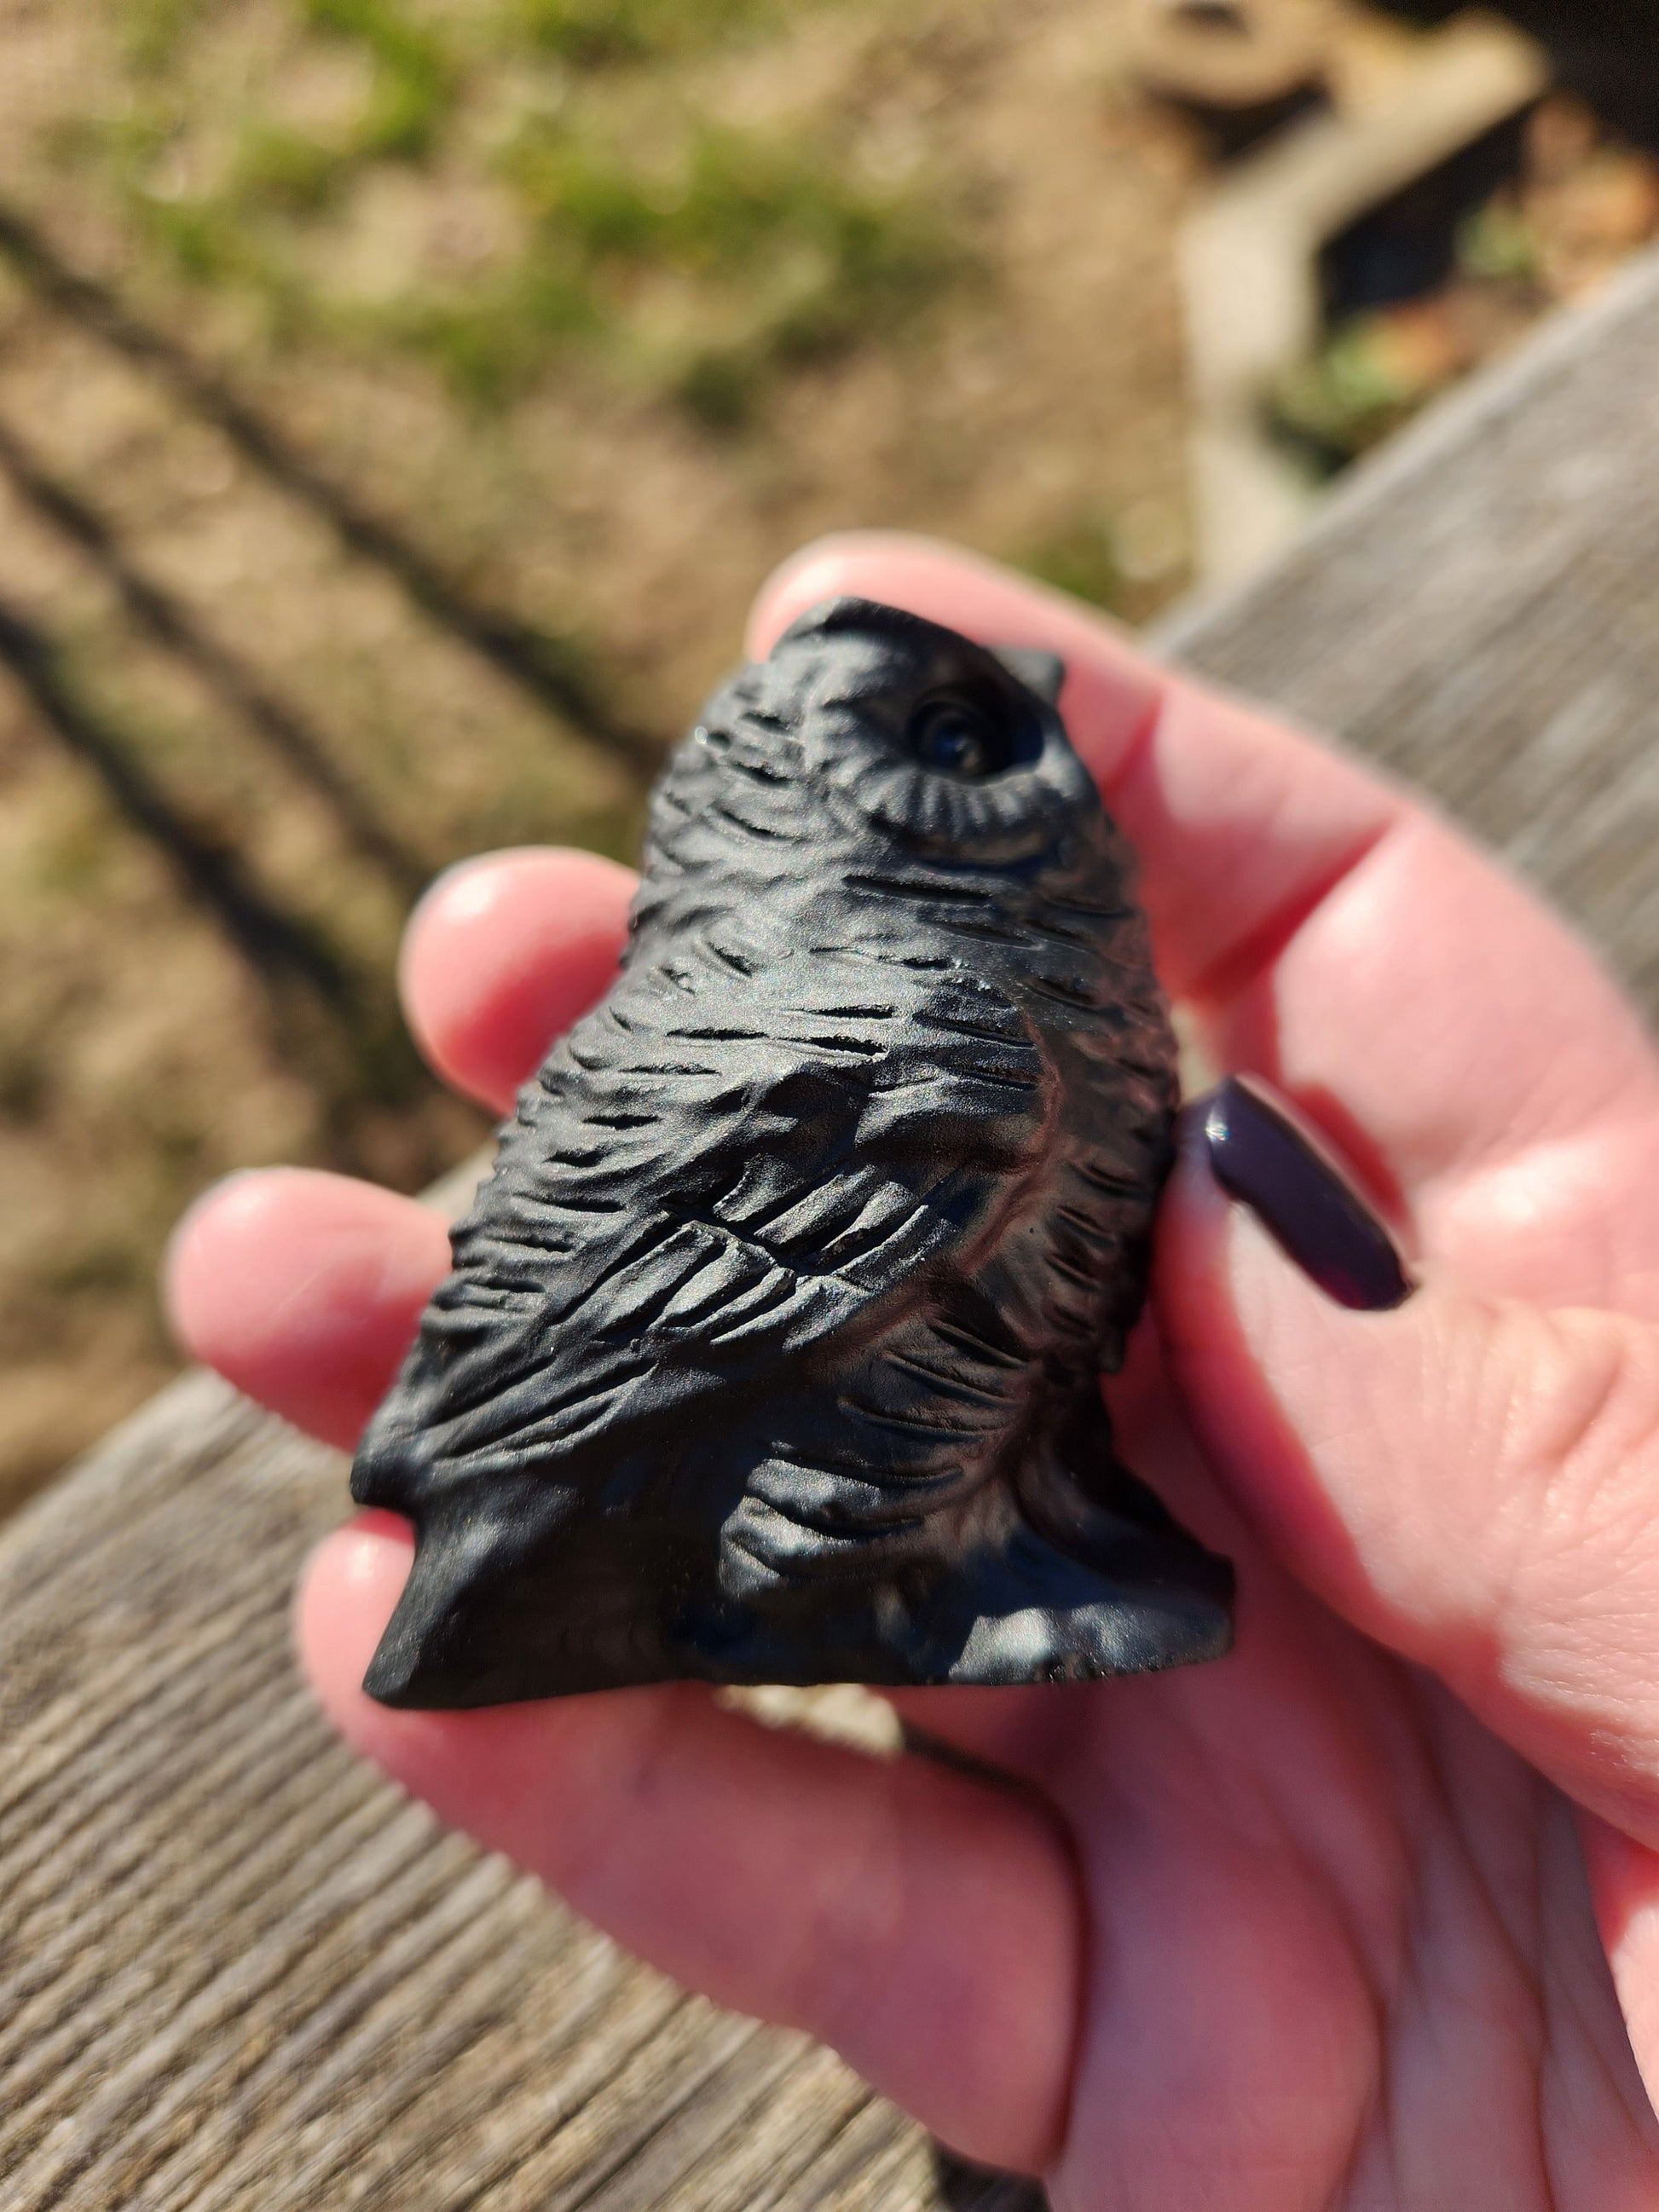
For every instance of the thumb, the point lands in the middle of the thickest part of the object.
(1472, 1481)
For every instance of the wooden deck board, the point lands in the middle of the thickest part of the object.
(237, 1972)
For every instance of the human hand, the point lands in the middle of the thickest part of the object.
(1327, 1924)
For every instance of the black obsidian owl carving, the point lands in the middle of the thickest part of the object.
(772, 1350)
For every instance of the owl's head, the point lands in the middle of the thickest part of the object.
(899, 726)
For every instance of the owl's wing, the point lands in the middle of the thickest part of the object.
(703, 1185)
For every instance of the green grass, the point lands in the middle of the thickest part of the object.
(603, 34)
(152, 31)
(1081, 557)
(700, 258)
(417, 77)
(780, 257)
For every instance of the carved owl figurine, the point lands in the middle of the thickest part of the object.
(772, 1345)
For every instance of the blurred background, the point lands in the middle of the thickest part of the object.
(401, 400)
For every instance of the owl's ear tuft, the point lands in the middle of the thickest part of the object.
(1039, 671)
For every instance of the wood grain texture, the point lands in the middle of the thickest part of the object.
(237, 1972)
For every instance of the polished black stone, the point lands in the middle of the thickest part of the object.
(773, 1344)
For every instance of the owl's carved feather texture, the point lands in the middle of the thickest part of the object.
(771, 1350)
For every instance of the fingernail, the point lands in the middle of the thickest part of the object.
(1303, 1199)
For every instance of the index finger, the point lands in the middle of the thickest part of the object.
(1337, 937)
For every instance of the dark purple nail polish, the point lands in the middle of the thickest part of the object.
(1301, 1198)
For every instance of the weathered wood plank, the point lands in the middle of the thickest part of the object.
(237, 1972)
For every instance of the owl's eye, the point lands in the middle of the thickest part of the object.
(959, 736)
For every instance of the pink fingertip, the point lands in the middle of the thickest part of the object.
(345, 1597)
(503, 954)
(483, 1770)
(303, 1289)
